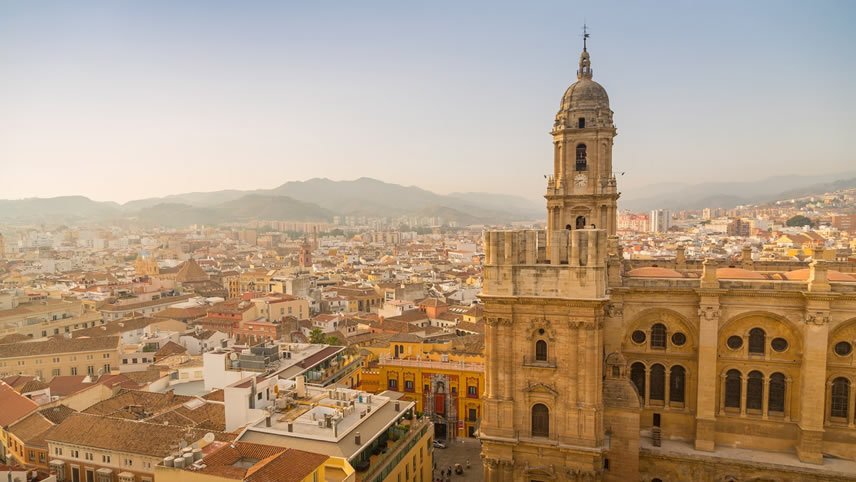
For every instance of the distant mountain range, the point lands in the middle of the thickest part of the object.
(730, 194)
(320, 199)
(312, 200)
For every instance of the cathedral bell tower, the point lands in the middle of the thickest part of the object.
(582, 191)
(544, 296)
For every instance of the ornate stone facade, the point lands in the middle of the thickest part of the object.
(599, 368)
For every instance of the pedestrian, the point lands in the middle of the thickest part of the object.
(468, 463)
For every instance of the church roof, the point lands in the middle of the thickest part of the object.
(654, 272)
(190, 271)
(831, 275)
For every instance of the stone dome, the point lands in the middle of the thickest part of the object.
(584, 99)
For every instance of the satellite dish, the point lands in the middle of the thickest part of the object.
(233, 356)
(208, 438)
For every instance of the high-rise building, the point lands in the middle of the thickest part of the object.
(660, 220)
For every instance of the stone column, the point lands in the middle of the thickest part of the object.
(490, 472)
(508, 368)
(706, 402)
(813, 368)
(581, 364)
(491, 360)
(507, 470)
(573, 362)
(721, 394)
(765, 400)
(850, 411)
(647, 387)
(744, 378)
(667, 385)
(788, 396)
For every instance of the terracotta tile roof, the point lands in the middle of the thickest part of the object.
(53, 346)
(273, 464)
(136, 404)
(124, 435)
(15, 406)
(115, 327)
(169, 349)
(14, 338)
(63, 386)
(215, 396)
(190, 271)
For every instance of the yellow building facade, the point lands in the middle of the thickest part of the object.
(446, 385)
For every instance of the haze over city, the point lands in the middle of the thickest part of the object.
(120, 100)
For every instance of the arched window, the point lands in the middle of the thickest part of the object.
(776, 402)
(840, 398)
(677, 382)
(756, 341)
(658, 382)
(732, 389)
(581, 123)
(540, 350)
(581, 157)
(658, 336)
(637, 376)
(540, 420)
(581, 222)
(754, 390)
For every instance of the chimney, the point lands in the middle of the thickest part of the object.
(357, 439)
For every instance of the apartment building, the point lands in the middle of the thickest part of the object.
(103, 449)
(60, 356)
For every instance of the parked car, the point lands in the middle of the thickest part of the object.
(439, 445)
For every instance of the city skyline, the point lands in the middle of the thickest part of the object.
(435, 98)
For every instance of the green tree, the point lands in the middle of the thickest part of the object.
(333, 340)
(799, 220)
(317, 336)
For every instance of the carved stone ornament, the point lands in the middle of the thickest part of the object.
(614, 310)
(497, 321)
(708, 313)
(544, 471)
(541, 387)
(535, 328)
(818, 318)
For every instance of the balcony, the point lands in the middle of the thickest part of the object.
(529, 361)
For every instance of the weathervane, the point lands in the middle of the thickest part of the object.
(585, 36)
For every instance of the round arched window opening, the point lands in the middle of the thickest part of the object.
(679, 339)
(734, 342)
(779, 344)
(638, 337)
(843, 348)
(540, 331)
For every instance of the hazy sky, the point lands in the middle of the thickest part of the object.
(118, 100)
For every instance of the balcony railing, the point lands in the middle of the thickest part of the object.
(529, 361)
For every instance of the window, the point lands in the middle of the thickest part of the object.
(106, 368)
(581, 222)
(732, 389)
(581, 157)
(840, 398)
(776, 402)
(734, 342)
(472, 391)
(57, 451)
(658, 336)
(408, 385)
(540, 420)
(55, 372)
(658, 382)
(678, 339)
(677, 382)
(473, 415)
(540, 350)
(842, 348)
(779, 344)
(754, 390)
(756, 341)
(392, 384)
(74, 370)
(637, 376)
(581, 123)
(90, 370)
(638, 337)
(105, 459)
